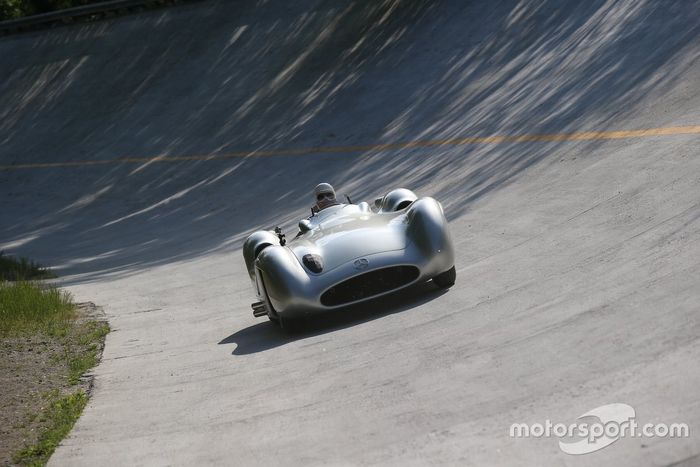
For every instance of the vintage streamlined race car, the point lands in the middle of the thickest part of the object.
(349, 253)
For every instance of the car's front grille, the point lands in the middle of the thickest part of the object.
(369, 284)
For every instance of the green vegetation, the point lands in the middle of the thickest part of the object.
(22, 269)
(11, 9)
(82, 350)
(58, 418)
(29, 307)
(44, 337)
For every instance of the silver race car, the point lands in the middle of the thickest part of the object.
(349, 253)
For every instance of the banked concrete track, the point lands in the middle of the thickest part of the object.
(578, 281)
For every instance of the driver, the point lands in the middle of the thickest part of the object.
(325, 196)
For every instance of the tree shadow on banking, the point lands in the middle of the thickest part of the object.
(238, 77)
(267, 335)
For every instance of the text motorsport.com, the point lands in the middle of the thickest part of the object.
(615, 421)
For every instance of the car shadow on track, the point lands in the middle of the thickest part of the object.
(267, 335)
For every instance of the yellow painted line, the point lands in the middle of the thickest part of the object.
(494, 139)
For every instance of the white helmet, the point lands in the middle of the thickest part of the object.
(324, 195)
(323, 188)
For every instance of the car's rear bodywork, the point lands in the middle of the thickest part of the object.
(348, 254)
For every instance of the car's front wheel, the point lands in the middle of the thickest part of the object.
(446, 279)
(291, 325)
(274, 318)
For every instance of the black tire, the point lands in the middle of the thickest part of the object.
(274, 319)
(271, 312)
(446, 279)
(291, 325)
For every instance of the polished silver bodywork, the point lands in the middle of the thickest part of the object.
(403, 235)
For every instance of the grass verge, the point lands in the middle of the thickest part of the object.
(31, 307)
(47, 343)
(58, 418)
